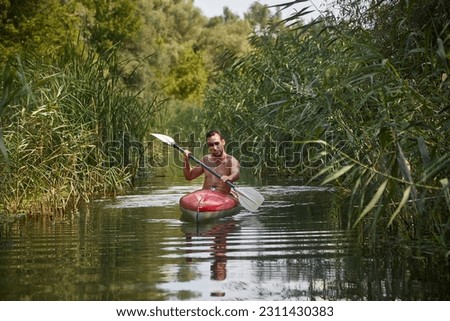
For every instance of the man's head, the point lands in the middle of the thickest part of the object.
(212, 133)
(215, 142)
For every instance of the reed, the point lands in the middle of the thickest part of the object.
(370, 124)
(56, 120)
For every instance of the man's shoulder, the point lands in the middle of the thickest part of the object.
(231, 158)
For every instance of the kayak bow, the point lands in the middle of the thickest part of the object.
(204, 205)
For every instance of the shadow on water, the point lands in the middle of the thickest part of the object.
(135, 247)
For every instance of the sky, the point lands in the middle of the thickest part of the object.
(215, 7)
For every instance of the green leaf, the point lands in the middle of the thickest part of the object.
(401, 204)
(337, 174)
(372, 202)
(441, 51)
(3, 148)
(445, 188)
(403, 164)
(423, 150)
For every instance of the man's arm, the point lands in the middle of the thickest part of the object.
(190, 173)
(235, 169)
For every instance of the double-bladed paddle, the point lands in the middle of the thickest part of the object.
(249, 198)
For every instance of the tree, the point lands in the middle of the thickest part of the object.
(261, 18)
(40, 27)
(110, 22)
(188, 79)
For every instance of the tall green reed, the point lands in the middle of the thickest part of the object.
(357, 118)
(56, 121)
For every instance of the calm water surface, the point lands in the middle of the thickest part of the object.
(136, 248)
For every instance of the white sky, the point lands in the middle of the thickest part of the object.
(215, 7)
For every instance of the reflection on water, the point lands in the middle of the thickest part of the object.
(217, 236)
(136, 248)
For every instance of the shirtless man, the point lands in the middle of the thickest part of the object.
(226, 165)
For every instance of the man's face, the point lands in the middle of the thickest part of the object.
(215, 145)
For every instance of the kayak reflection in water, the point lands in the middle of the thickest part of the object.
(225, 165)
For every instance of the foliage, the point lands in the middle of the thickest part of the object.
(261, 18)
(108, 23)
(358, 100)
(331, 102)
(59, 124)
(94, 77)
(156, 35)
(221, 38)
(39, 26)
(185, 84)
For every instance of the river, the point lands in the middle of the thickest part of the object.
(134, 247)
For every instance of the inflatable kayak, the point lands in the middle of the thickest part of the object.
(203, 205)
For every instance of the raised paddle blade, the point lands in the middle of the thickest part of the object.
(249, 198)
(166, 139)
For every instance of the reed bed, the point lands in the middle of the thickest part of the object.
(56, 121)
(326, 103)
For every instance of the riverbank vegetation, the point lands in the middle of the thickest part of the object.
(358, 100)
(84, 82)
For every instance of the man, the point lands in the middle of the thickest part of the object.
(222, 163)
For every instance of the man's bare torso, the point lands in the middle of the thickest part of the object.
(222, 167)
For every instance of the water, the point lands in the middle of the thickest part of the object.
(136, 248)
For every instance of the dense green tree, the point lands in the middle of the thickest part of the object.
(188, 79)
(223, 40)
(110, 22)
(39, 27)
(228, 15)
(261, 18)
(168, 29)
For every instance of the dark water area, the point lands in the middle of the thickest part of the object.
(136, 248)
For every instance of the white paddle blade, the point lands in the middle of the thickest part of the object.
(166, 139)
(249, 198)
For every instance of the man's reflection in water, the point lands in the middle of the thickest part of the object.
(219, 232)
(219, 250)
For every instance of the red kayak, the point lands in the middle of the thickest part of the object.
(205, 204)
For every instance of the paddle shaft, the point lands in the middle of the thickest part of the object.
(209, 169)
